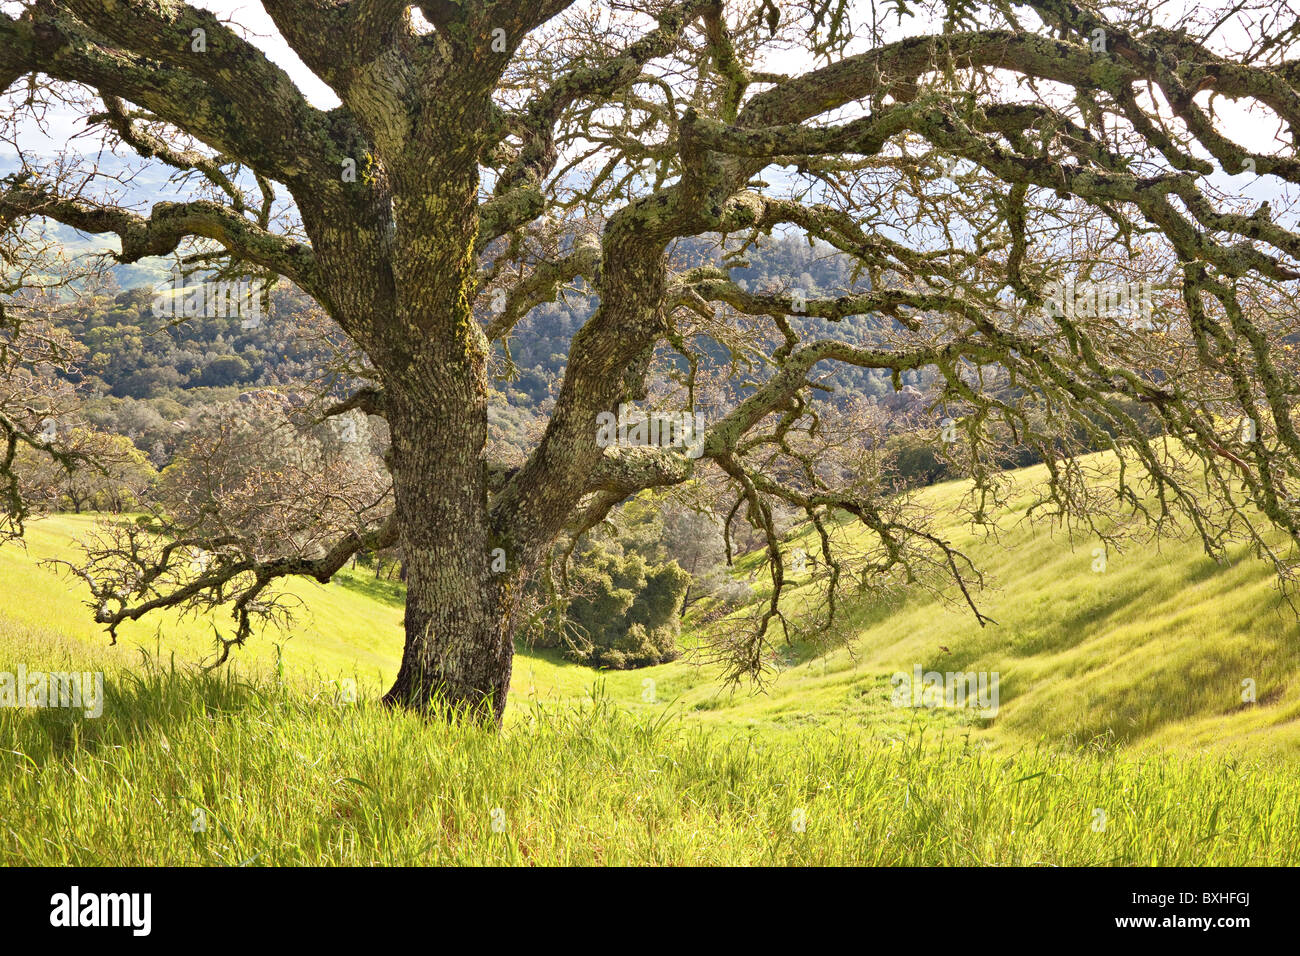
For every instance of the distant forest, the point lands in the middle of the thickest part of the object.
(141, 373)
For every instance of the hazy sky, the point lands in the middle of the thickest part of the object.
(1253, 129)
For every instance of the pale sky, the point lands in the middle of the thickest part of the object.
(1253, 128)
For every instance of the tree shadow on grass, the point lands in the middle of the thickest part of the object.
(137, 704)
(1070, 630)
(392, 593)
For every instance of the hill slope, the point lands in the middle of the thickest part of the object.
(1152, 652)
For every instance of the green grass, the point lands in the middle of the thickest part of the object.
(1119, 692)
(188, 769)
(1151, 653)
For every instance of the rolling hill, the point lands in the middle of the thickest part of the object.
(1150, 653)
(1120, 739)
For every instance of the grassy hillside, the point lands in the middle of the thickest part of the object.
(185, 770)
(1150, 652)
(261, 762)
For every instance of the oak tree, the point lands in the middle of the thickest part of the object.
(993, 170)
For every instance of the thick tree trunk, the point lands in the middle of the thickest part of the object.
(459, 646)
(457, 655)
(418, 327)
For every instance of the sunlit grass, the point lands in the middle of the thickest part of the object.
(1121, 699)
(1152, 653)
(191, 769)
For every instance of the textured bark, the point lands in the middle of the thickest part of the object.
(459, 644)
(458, 625)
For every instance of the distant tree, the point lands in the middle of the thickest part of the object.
(136, 420)
(225, 370)
(917, 460)
(121, 478)
(694, 539)
(256, 483)
(149, 381)
(38, 408)
(624, 611)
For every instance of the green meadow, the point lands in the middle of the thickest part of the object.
(1123, 734)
